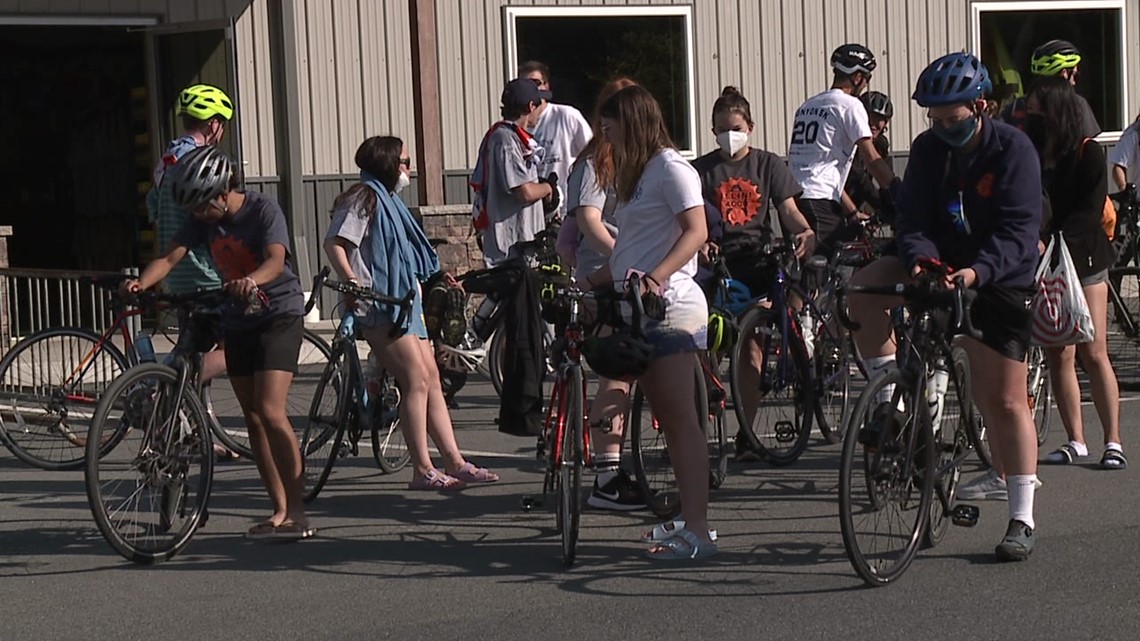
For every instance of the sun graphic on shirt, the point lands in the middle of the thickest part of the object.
(740, 200)
(234, 259)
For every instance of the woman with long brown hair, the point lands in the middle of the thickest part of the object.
(660, 212)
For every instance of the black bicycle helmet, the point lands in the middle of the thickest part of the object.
(200, 175)
(852, 58)
(621, 356)
(878, 104)
(1054, 56)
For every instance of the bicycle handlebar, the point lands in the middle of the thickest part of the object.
(404, 303)
(927, 292)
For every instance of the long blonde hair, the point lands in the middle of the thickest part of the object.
(643, 135)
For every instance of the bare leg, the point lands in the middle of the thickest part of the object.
(1105, 391)
(403, 357)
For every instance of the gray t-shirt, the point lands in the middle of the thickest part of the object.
(238, 245)
(351, 221)
(744, 190)
(510, 221)
(584, 191)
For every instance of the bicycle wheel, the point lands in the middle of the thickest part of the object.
(226, 416)
(832, 368)
(1040, 393)
(1124, 326)
(717, 436)
(388, 444)
(50, 383)
(651, 462)
(496, 352)
(885, 489)
(149, 493)
(329, 415)
(951, 439)
(570, 469)
(780, 428)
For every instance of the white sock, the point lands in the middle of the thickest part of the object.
(1021, 488)
(607, 465)
(1081, 448)
(875, 365)
(1114, 446)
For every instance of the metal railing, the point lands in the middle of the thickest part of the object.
(34, 299)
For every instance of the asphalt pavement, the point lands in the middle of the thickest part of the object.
(392, 564)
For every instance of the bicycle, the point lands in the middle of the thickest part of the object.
(901, 455)
(149, 452)
(1127, 233)
(51, 381)
(344, 406)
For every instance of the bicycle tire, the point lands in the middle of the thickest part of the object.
(137, 398)
(716, 435)
(782, 441)
(651, 463)
(951, 439)
(1040, 393)
(570, 470)
(496, 352)
(227, 418)
(389, 447)
(864, 471)
(1123, 327)
(832, 375)
(55, 442)
(328, 418)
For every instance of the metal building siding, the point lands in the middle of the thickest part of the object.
(255, 91)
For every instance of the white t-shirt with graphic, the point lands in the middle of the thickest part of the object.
(563, 132)
(822, 146)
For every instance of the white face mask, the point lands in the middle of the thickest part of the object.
(732, 142)
(402, 182)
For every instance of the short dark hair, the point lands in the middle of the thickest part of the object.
(531, 66)
(732, 101)
(190, 123)
(379, 156)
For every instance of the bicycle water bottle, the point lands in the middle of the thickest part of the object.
(936, 384)
(144, 348)
(372, 373)
(807, 328)
(483, 315)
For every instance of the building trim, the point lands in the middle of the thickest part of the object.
(287, 119)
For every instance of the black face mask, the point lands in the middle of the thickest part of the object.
(1037, 130)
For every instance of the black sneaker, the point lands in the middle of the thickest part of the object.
(1018, 542)
(744, 451)
(621, 493)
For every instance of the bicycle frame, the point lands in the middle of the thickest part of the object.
(122, 326)
(555, 424)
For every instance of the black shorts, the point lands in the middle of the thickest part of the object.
(1003, 317)
(208, 328)
(827, 219)
(275, 344)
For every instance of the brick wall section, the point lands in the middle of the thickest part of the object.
(453, 223)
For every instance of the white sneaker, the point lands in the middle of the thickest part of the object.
(988, 487)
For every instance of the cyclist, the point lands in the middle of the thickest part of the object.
(560, 129)
(860, 187)
(1125, 156)
(972, 198)
(249, 243)
(1076, 180)
(1055, 58)
(829, 129)
(374, 242)
(661, 218)
(204, 110)
(741, 181)
(590, 204)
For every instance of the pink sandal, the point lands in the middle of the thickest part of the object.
(436, 480)
(471, 473)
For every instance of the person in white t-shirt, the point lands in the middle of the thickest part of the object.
(561, 130)
(829, 129)
(661, 217)
(1124, 157)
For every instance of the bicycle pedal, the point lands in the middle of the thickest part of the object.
(528, 503)
(965, 515)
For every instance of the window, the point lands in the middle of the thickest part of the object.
(585, 47)
(1006, 33)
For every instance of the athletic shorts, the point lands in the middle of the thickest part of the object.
(1003, 316)
(1095, 279)
(275, 344)
(831, 227)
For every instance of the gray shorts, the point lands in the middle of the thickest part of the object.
(1095, 279)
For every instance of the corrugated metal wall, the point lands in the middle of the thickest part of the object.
(255, 91)
(169, 10)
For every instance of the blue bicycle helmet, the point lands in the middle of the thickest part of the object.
(952, 79)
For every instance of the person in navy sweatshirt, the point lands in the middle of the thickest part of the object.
(972, 199)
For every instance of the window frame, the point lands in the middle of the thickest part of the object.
(685, 12)
(990, 6)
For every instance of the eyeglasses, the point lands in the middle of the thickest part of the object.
(407, 162)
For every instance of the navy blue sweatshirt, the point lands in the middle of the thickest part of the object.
(981, 211)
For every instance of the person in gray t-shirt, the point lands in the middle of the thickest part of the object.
(510, 196)
(593, 207)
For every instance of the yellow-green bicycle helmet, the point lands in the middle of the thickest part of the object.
(722, 333)
(204, 102)
(1054, 56)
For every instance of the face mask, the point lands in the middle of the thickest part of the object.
(957, 134)
(402, 182)
(1036, 129)
(732, 142)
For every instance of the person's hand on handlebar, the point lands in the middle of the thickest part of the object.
(130, 286)
(708, 252)
(969, 277)
(804, 242)
(242, 287)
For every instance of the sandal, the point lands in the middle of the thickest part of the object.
(436, 480)
(664, 531)
(1113, 460)
(263, 530)
(1063, 455)
(471, 473)
(291, 531)
(681, 546)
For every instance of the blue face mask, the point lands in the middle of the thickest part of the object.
(957, 134)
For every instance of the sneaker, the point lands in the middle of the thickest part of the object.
(1018, 542)
(744, 451)
(882, 417)
(987, 487)
(621, 494)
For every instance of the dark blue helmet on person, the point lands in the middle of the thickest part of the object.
(952, 79)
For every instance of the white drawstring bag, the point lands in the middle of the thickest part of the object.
(1060, 312)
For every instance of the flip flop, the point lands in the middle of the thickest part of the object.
(263, 530)
(683, 545)
(664, 531)
(291, 531)
(471, 473)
